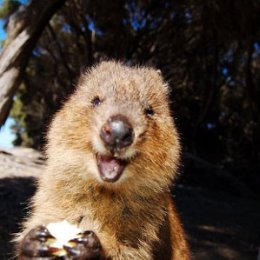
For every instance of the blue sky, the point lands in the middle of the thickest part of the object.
(2, 32)
(6, 136)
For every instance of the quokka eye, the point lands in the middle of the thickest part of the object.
(96, 101)
(149, 111)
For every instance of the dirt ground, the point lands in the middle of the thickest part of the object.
(219, 226)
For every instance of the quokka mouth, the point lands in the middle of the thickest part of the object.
(110, 168)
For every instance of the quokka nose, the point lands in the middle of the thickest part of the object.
(117, 133)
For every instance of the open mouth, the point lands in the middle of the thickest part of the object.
(110, 168)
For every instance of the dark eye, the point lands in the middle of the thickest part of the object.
(96, 101)
(149, 111)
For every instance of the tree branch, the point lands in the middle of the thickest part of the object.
(23, 31)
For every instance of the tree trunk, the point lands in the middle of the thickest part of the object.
(23, 31)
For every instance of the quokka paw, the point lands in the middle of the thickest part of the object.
(85, 247)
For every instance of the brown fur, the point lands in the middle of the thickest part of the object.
(134, 218)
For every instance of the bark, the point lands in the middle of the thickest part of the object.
(23, 31)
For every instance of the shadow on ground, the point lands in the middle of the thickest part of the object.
(15, 193)
(219, 226)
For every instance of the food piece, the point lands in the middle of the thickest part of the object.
(63, 232)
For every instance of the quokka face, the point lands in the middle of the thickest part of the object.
(116, 130)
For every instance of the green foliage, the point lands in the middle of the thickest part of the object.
(8, 7)
(209, 51)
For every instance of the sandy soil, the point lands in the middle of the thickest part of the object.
(219, 226)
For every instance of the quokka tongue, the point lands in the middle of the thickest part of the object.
(110, 168)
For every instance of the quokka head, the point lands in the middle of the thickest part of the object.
(116, 129)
